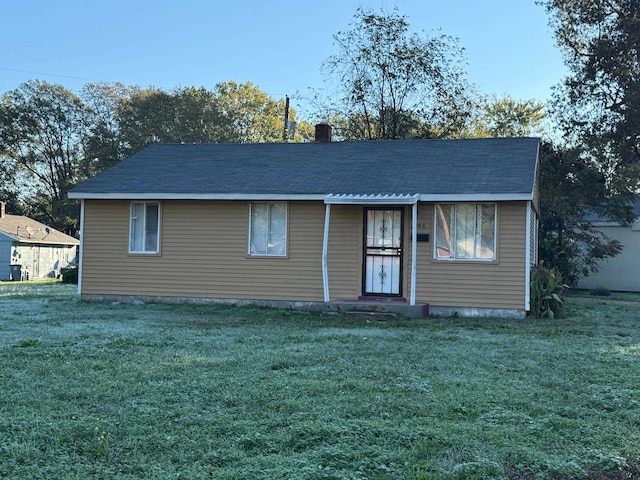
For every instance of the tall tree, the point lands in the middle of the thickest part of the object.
(105, 145)
(392, 83)
(599, 102)
(573, 191)
(506, 117)
(147, 117)
(249, 115)
(9, 189)
(153, 115)
(42, 135)
(597, 168)
(231, 112)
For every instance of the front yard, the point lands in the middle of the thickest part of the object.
(106, 391)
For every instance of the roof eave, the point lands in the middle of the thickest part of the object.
(422, 197)
(477, 197)
(44, 241)
(194, 196)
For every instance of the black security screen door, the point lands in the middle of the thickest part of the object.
(383, 251)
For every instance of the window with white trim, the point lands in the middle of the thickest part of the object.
(268, 229)
(465, 231)
(144, 228)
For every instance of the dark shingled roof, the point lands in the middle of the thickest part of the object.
(429, 167)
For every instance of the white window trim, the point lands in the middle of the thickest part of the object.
(286, 229)
(144, 252)
(453, 259)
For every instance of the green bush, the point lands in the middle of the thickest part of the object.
(546, 292)
(70, 275)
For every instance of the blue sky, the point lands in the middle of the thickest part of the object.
(277, 45)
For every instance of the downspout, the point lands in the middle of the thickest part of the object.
(414, 250)
(81, 254)
(325, 247)
(527, 287)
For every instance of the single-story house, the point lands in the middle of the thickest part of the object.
(448, 223)
(30, 249)
(622, 272)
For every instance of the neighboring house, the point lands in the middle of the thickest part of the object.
(622, 272)
(448, 223)
(30, 249)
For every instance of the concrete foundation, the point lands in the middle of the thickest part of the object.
(361, 307)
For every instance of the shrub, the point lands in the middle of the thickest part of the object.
(546, 291)
(601, 292)
(70, 275)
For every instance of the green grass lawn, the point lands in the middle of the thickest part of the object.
(103, 391)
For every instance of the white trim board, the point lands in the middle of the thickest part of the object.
(404, 199)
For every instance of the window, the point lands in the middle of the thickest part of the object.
(465, 231)
(144, 227)
(268, 229)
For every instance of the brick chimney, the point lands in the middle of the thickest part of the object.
(323, 132)
(2, 210)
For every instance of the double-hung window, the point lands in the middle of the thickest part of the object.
(268, 229)
(144, 228)
(465, 231)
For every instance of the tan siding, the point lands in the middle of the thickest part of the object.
(498, 284)
(345, 252)
(532, 237)
(203, 253)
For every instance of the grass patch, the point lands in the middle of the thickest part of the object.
(42, 288)
(101, 391)
(607, 294)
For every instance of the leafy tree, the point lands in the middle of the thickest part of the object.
(597, 169)
(249, 115)
(153, 115)
(506, 117)
(303, 130)
(42, 135)
(232, 112)
(599, 104)
(573, 189)
(104, 146)
(396, 84)
(197, 116)
(9, 190)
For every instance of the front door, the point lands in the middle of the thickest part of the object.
(383, 251)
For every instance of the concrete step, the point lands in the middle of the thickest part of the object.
(383, 308)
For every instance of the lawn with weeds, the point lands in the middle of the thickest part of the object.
(151, 391)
